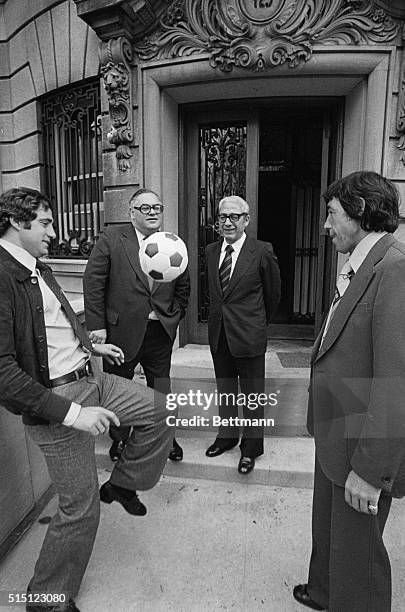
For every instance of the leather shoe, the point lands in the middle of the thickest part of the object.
(246, 465)
(300, 593)
(116, 449)
(176, 452)
(128, 499)
(217, 449)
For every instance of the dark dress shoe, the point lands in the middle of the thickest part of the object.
(246, 465)
(116, 449)
(301, 594)
(217, 449)
(128, 499)
(176, 452)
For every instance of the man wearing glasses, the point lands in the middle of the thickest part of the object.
(126, 308)
(244, 287)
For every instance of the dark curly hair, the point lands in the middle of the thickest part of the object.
(20, 204)
(380, 196)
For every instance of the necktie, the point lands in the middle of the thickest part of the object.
(225, 269)
(148, 278)
(67, 309)
(343, 281)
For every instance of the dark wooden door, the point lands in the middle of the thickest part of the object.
(280, 158)
(221, 158)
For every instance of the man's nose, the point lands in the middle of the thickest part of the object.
(327, 224)
(51, 231)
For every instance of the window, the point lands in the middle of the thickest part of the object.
(73, 167)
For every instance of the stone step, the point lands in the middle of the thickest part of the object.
(287, 462)
(286, 412)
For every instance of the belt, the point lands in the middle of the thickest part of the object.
(72, 376)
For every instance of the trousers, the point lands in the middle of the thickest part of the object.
(155, 357)
(249, 373)
(70, 459)
(349, 568)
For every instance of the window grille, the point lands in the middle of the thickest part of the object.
(71, 125)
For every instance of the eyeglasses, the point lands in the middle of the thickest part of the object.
(234, 217)
(146, 208)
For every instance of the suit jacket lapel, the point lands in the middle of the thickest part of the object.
(243, 262)
(131, 248)
(352, 295)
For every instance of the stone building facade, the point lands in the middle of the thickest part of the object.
(196, 99)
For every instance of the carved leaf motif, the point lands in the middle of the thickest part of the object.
(221, 29)
(114, 57)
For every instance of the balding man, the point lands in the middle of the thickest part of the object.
(244, 287)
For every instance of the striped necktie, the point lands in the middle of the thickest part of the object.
(225, 269)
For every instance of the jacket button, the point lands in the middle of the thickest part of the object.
(34, 280)
(41, 339)
(386, 479)
(40, 309)
(42, 368)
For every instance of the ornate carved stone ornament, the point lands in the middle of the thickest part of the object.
(258, 34)
(115, 56)
(401, 104)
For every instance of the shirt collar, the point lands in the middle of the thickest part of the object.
(237, 245)
(20, 254)
(363, 248)
(141, 236)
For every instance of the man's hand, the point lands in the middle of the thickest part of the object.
(98, 336)
(361, 495)
(95, 420)
(111, 353)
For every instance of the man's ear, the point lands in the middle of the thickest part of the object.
(14, 223)
(363, 204)
(247, 220)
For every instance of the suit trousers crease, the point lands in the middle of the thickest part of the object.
(249, 371)
(70, 458)
(154, 356)
(349, 568)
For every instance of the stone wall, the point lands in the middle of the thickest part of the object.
(43, 46)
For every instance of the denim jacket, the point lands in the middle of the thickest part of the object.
(24, 374)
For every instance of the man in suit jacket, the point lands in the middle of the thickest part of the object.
(244, 288)
(46, 375)
(356, 403)
(123, 306)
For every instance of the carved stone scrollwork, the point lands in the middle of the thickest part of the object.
(401, 105)
(258, 34)
(115, 57)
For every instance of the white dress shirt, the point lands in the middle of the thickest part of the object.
(64, 351)
(355, 260)
(237, 245)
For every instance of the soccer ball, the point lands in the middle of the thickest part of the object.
(163, 256)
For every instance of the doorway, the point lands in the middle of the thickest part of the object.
(279, 156)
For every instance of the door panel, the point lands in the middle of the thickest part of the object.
(221, 160)
(280, 158)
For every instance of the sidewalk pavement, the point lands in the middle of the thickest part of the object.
(212, 540)
(203, 546)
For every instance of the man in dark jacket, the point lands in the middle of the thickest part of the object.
(244, 288)
(123, 306)
(47, 377)
(356, 403)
